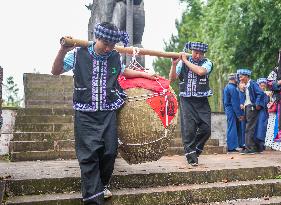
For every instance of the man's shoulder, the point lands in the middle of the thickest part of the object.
(253, 82)
(207, 60)
(115, 52)
(232, 86)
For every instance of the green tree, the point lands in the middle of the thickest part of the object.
(186, 32)
(11, 93)
(240, 33)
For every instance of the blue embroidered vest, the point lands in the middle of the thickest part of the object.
(193, 85)
(96, 87)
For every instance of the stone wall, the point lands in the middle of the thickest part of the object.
(218, 128)
(47, 91)
(1, 83)
(9, 116)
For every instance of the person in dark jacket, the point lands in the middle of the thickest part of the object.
(97, 96)
(254, 102)
(231, 104)
(261, 128)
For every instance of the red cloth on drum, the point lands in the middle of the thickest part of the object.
(158, 102)
(144, 83)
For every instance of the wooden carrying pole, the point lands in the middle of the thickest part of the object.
(66, 41)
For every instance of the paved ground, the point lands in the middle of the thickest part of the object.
(70, 168)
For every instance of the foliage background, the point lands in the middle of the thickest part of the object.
(240, 33)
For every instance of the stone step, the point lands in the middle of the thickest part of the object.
(169, 195)
(42, 155)
(65, 150)
(68, 144)
(44, 119)
(2, 189)
(51, 127)
(50, 98)
(42, 136)
(274, 200)
(57, 145)
(177, 142)
(49, 104)
(31, 79)
(50, 90)
(67, 178)
(207, 150)
(44, 111)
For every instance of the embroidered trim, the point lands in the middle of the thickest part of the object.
(199, 149)
(191, 89)
(80, 88)
(189, 153)
(99, 87)
(94, 196)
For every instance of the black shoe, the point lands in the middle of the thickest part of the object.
(194, 164)
(232, 151)
(192, 159)
(248, 151)
(260, 148)
(106, 193)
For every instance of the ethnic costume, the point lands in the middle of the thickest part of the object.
(231, 104)
(261, 127)
(195, 112)
(273, 136)
(254, 98)
(97, 96)
(241, 136)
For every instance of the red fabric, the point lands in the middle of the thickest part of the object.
(148, 84)
(272, 107)
(278, 137)
(158, 104)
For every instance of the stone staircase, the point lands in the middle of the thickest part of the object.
(42, 134)
(47, 134)
(212, 147)
(219, 179)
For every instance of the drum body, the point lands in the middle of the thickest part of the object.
(144, 134)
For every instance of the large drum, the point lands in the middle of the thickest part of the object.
(147, 121)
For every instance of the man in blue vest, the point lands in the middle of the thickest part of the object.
(254, 102)
(193, 72)
(231, 105)
(96, 98)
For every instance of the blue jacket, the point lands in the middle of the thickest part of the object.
(231, 100)
(256, 94)
(242, 97)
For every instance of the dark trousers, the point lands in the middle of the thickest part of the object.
(96, 145)
(195, 125)
(252, 119)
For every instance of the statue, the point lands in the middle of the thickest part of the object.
(127, 15)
